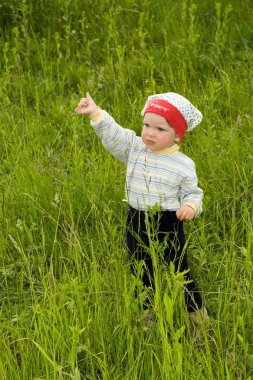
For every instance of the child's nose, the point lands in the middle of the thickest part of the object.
(151, 132)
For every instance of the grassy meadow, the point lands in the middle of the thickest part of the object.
(68, 308)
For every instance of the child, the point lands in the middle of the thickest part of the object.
(157, 175)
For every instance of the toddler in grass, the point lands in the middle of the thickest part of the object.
(158, 177)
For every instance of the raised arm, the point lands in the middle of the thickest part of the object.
(116, 140)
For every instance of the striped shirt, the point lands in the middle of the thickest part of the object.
(166, 179)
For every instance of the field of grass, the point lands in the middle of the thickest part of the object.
(67, 300)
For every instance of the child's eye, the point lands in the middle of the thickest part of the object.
(160, 129)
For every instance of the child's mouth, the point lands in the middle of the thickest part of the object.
(150, 142)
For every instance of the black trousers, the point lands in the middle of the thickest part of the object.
(167, 230)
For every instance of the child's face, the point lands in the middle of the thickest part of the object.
(157, 134)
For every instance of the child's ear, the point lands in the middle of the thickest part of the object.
(177, 139)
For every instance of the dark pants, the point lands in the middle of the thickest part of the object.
(167, 230)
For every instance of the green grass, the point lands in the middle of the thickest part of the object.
(67, 302)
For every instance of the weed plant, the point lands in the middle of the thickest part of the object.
(68, 306)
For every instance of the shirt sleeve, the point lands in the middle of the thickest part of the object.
(190, 194)
(115, 139)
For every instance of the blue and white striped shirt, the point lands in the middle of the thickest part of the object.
(167, 180)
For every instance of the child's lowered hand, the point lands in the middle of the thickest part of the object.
(186, 213)
(86, 106)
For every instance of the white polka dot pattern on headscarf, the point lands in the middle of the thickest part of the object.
(191, 114)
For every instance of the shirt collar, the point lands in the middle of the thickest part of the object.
(168, 151)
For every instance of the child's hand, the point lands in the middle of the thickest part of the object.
(185, 213)
(86, 106)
